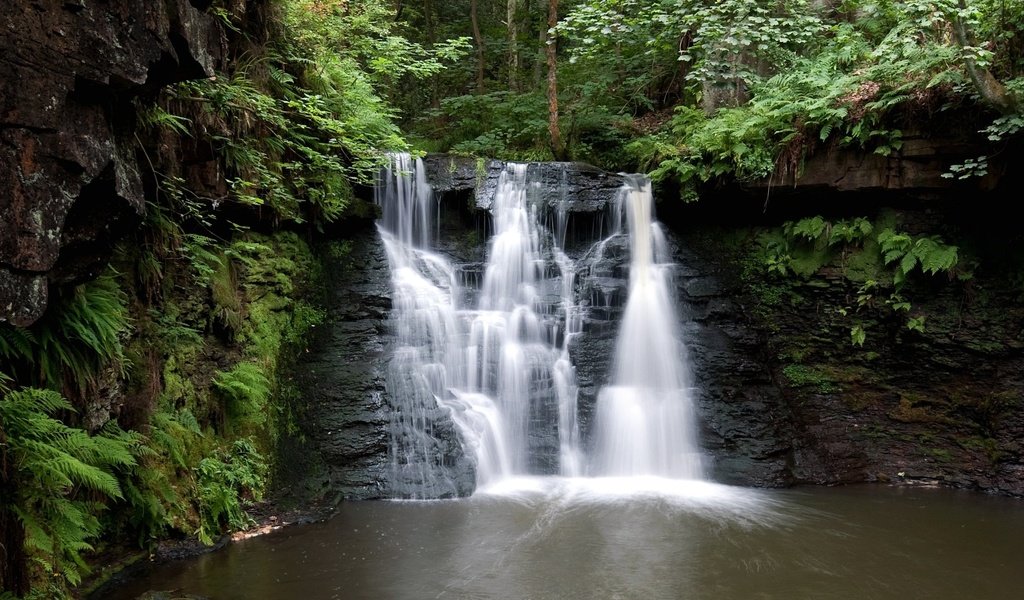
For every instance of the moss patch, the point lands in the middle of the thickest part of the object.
(802, 376)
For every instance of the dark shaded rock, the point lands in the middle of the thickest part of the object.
(786, 398)
(429, 457)
(603, 287)
(918, 165)
(343, 373)
(580, 192)
(23, 296)
(744, 425)
(69, 168)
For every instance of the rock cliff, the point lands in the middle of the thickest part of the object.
(71, 167)
(342, 376)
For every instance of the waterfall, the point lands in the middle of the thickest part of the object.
(493, 382)
(426, 355)
(645, 418)
(494, 369)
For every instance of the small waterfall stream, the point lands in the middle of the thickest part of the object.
(645, 417)
(501, 369)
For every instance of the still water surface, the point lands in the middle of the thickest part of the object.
(630, 539)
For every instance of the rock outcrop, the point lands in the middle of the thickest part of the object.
(793, 400)
(343, 374)
(578, 187)
(919, 166)
(71, 169)
(744, 426)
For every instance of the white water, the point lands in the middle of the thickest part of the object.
(495, 366)
(502, 370)
(645, 419)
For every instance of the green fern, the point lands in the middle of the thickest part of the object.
(80, 334)
(158, 489)
(246, 391)
(809, 229)
(50, 467)
(156, 117)
(847, 232)
(935, 256)
(16, 343)
(226, 480)
(83, 333)
(930, 253)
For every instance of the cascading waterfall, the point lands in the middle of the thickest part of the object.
(501, 370)
(425, 356)
(645, 418)
(495, 368)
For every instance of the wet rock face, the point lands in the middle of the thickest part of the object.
(344, 378)
(427, 465)
(744, 423)
(939, 406)
(69, 171)
(788, 398)
(585, 188)
(603, 285)
(343, 373)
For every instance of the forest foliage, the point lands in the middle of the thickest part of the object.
(742, 89)
(150, 402)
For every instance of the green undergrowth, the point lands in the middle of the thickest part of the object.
(873, 267)
(190, 360)
(806, 376)
(220, 344)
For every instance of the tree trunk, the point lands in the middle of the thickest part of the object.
(557, 147)
(13, 562)
(428, 15)
(988, 87)
(538, 63)
(513, 45)
(428, 18)
(479, 40)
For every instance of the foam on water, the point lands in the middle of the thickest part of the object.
(714, 501)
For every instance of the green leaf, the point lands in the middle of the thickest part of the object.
(857, 335)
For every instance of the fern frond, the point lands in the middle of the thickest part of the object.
(16, 342)
(51, 463)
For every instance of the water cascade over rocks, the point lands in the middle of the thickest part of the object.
(481, 377)
(645, 417)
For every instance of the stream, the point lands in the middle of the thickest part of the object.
(553, 538)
